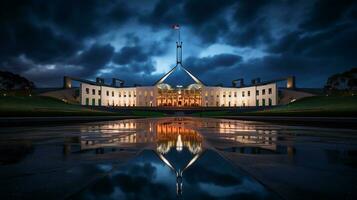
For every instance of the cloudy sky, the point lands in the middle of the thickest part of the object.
(222, 39)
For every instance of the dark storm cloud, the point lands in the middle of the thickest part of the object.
(199, 12)
(137, 57)
(41, 44)
(81, 18)
(248, 11)
(326, 13)
(52, 32)
(204, 17)
(45, 39)
(337, 41)
(199, 65)
(94, 58)
(127, 55)
(254, 34)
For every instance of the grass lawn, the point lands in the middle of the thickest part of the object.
(341, 106)
(148, 113)
(37, 106)
(211, 113)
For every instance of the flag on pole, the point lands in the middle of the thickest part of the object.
(176, 26)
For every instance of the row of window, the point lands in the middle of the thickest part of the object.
(93, 103)
(264, 103)
(263, 92)
(269, 102)
(112, 93)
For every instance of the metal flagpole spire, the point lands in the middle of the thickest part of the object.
(176, 27)
(178, 45)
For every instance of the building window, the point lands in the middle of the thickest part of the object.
(257, 102)
(87, 90)
(270, 91)
(217, 95)
(257, 92)
(263, 92)
(93, 91)
(224, 95)
(235, 94)
(107, 93)
(112, 93)
(270, 102)
(99, 102)
(119, 94)
(87, 100)
(248, 93)
(99, 92)
(263, 102)
(243, 94)
(93, 102)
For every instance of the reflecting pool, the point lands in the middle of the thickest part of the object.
(177, 158)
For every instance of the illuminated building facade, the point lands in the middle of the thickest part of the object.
(163, 94)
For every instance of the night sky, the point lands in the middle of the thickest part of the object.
(43, 40)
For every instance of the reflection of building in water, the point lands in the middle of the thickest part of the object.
(174, 135)
(117, 133)
(178, 133)
(244, 133)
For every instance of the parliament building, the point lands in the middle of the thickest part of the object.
(163, 93)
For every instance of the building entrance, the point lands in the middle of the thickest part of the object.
(182, 97)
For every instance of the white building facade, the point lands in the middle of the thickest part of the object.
(202, 96)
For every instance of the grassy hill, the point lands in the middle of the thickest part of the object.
(344, 106)
(20, 106)
(316, 106)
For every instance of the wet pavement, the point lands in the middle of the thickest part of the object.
(177, 158)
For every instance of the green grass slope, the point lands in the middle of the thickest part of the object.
(37, 106)
(316, 106)
(42, 106)
(319, 106)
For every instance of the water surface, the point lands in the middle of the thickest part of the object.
(177, 158)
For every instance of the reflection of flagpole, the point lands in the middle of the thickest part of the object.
(179, 172)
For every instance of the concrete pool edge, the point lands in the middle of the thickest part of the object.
(38, 121)
(328, 122)
(331, 122)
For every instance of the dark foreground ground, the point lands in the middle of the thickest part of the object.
(137, 159)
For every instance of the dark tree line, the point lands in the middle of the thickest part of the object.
(342, 83)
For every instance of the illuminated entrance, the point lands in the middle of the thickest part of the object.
(179, 96)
